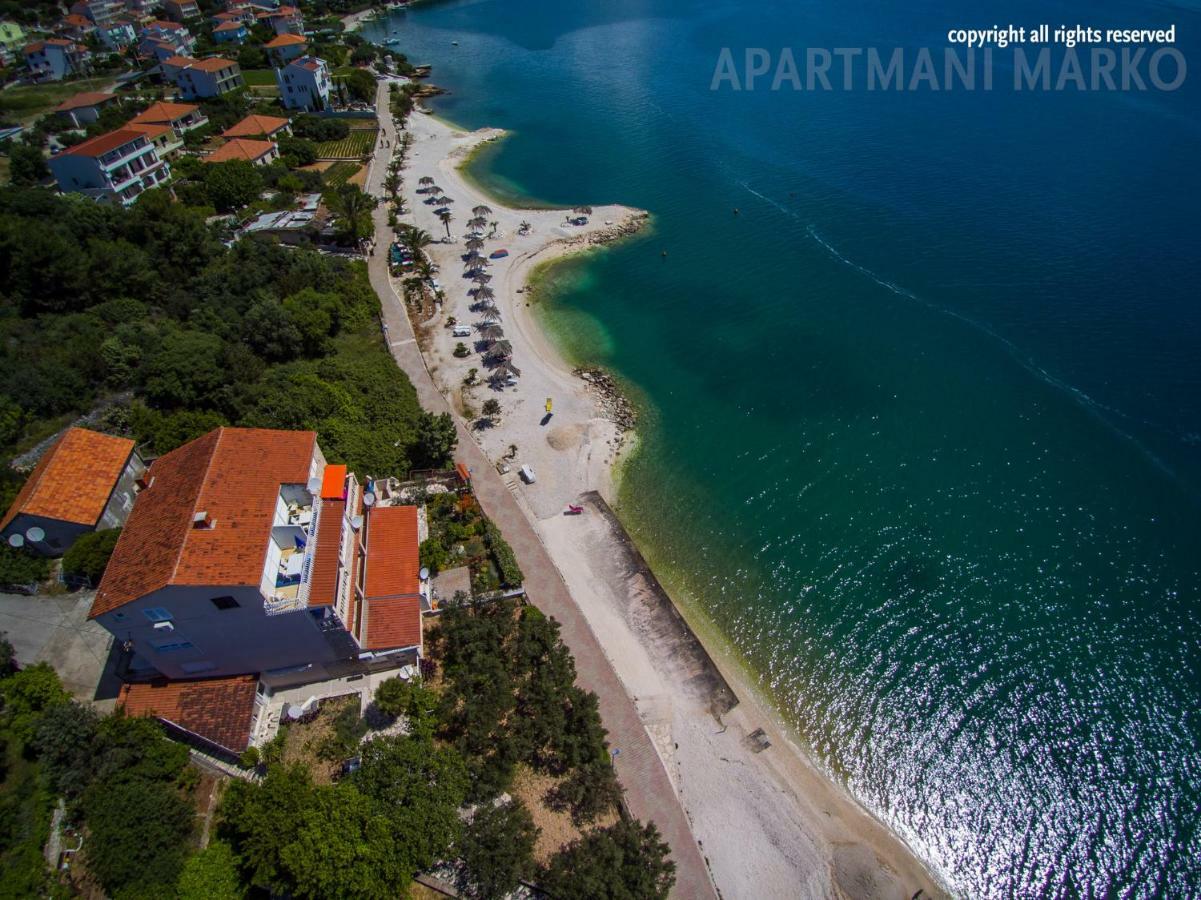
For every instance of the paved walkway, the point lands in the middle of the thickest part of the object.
(649, 793)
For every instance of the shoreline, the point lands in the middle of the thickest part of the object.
(801, 829)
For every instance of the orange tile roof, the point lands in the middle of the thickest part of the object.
(178, 62)
(162, 113)
(77, 21)
(254, 125)
(285, 40)
(229, 26)
(86, 98)
(240, 148)
(393, 562)
(213, 64)
(103, 143)
(152, 130)
(233, 474)
(393, 622)
(323, 583)
(333, 483)
(220, 710)
(74, 479)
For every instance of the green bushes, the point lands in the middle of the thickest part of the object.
(502, 555)
(88, 556)
(21, 566)
(319, 130)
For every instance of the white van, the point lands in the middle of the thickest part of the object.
(461, 331)
(527, 475)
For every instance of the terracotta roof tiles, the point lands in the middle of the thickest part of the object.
(220, 710)
(254, 125)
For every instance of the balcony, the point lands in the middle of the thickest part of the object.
(289, 562)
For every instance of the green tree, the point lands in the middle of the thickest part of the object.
(498, 848)
(491, 408)
(626, 861)
(211, 874)
(259, 820)
(89, 555)
(360, 86)
(138, 833)
(351, 208)
(187, 371)
(411, 699)
(314, 315)
(251, 57)
(436, 441)
(27, 163)
(21, 567)
(297, 151)
(26, 695)
(65, 741)
(231, 185)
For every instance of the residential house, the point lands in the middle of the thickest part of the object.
(140, 9)
(99, 12)
(182, 117)
(181, 10)
(205, 78)
(163, 137)
(55, 59)
(86, 481)
(284, 48)
(116, 166)
(270, 127)
(230, 33)
(75, 27)
(304, 84)
(215, 714)
(160, 39)
(260, 153)
(84, 108)
(117, 34)
(284, 20)
(12, 40)
(247, 553)
(172, 66)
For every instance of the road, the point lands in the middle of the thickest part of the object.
(648, 791)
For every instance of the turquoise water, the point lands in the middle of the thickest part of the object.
(923, 428)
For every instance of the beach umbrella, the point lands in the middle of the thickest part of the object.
(504, 370)
(481, 278)
(488, 308)
(475, 243)
(425, 180)
(481, 210)
(491, 331)
(444, 200)
(477, 222)
(472, 255)
(483, 292)
(499, 350)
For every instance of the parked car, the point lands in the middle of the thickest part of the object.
(527, 475)
(461, 331)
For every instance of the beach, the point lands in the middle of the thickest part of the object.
(768, 822)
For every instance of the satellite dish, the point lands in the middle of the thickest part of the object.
(314, 484)
(35, 534)
(424, 573)
(16, 540)
(356, 523)
(369, 499)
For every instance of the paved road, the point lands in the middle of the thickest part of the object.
(649, 793)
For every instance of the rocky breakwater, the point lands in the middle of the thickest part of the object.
(613, 403)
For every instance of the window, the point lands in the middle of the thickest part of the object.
(172, 646)
(157, 614)
(225, 603)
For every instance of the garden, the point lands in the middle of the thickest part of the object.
(460, 535)
(358, 143)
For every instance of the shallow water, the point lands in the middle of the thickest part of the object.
(923, 427)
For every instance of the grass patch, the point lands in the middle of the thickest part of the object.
(355, 145)
(27, 102)
(259, 77)
(339, 173)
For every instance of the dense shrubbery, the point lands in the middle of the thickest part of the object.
(88, 556)
(318, 130)
(95, 300)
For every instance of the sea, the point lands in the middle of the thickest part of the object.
(919, 373)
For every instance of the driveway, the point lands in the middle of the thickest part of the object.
(55, 629)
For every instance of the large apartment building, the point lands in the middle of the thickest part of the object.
(247, 553)
(117, 166)
(201, 79)
(304, 84)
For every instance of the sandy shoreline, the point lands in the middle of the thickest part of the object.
(769, 822)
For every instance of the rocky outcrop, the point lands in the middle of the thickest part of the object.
(614, 405)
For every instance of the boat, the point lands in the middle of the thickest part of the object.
(498, 254)
(454, 43)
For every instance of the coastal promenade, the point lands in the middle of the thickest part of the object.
(649, 793)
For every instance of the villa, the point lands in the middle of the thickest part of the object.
(182, 117)
(201, 79)
(230, 33)
(285, 20)
(270, 127)
(260, 153)
(286, 47)
(116, 166)
(84, 108)
(304, 84)
(160, 39)
(248, 553)
(55, 59)
(182, 10)
(86, 481)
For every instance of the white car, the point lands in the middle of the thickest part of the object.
(461, 331)
(527, 475)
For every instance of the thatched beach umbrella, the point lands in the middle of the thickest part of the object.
(485, 293)
(475, 243)
(425, 180)
(481, 278)
(504, 370)
(481, 210)
(491, 331)
(499, 350)
(477, 222)
(488, 308)
(443, 200)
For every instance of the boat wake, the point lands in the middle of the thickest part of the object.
(1101, 411)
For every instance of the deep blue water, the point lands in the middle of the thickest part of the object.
(922, 429)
